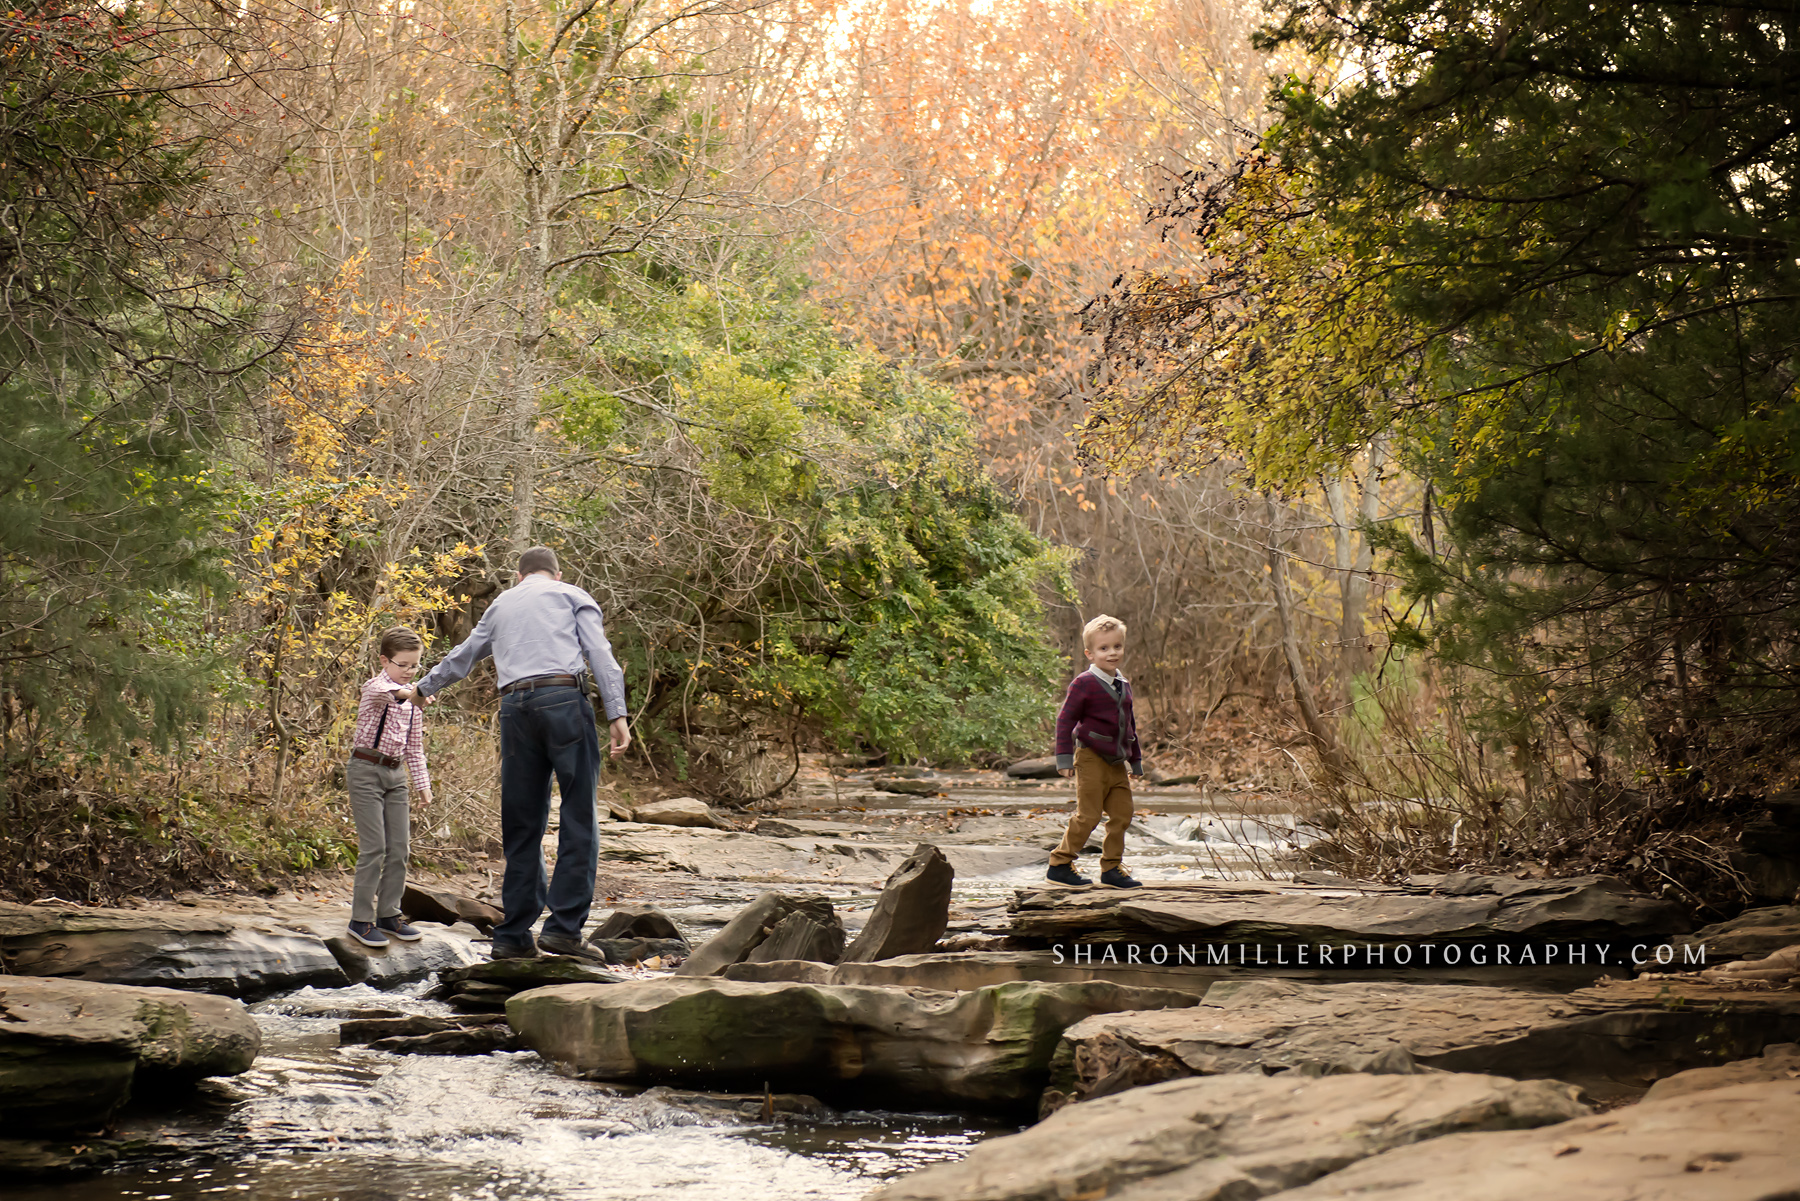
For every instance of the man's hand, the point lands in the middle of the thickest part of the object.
(424, 800)
(1065, 771)
(621, 736)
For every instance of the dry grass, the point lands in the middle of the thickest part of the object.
(1426, 793)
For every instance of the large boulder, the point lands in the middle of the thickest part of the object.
(912, 911)
(1613, 1040)
(1230, 1138)
(1034, 769)
(987, 1048)
(679, 811)
(448, 908)
(750, 928)
(71, 1051)
(908, 786)
(800, 936)
(1769, 861)
(1750, 935)
(1728, 1144)
(213, 952)
(1455, 909)
(638, 921)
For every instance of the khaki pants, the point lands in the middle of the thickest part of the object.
(1100, 787)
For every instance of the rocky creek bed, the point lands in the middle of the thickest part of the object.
(878, 994)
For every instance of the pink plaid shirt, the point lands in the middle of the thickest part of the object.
(404, 735)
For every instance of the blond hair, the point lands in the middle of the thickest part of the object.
(1103, 624)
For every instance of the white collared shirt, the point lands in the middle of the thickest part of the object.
(1108, 680)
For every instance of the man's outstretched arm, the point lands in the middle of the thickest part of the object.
(455, 665)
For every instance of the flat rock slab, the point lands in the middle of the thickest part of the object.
(733, 855)
(986, 1048)
(1750, 935)
(959, 971)
(507, 976)
(1779, 1061)
(1728, 1144)
(1230, 1138)
(1615, 1039)
(362, 1031)
(399, 962)
(1473, 909)
(213, 952)
(71, 1050)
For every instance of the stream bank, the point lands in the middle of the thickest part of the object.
(314, 1118)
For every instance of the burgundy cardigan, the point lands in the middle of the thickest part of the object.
(1100, 719)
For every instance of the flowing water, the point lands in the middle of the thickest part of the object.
(313, 1121)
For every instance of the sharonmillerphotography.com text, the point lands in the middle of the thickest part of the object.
(1382, 955)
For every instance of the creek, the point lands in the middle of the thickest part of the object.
(313, 1121)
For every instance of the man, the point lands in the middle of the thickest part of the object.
(539, 631)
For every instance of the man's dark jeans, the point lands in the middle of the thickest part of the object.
(544, 730)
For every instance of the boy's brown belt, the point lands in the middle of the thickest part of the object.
(541, 682)
(369, 756)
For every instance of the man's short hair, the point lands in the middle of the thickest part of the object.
(1102, 624)
(398, 639)
(538, 558)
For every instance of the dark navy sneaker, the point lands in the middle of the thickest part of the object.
(397, 926)
(513, 950)
(1063, 873)
(562, 944)
(1115, 877)
(368, 934)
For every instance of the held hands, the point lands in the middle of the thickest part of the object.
(621, 736)
(1065, 771)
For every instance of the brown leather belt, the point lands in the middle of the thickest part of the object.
(541, 682)
(369, 756)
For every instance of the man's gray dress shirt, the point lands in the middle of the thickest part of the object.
(538, 627)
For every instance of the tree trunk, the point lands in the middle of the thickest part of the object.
(1324, 742)
(1356, 579)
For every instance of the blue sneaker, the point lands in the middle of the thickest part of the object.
(397, 926)
(1063, 873)
(368, 934)
(1116, 877)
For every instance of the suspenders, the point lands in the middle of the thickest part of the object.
(381, 725)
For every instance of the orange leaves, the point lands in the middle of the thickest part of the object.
(988, 167)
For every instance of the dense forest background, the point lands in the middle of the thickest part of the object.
(1415, 378)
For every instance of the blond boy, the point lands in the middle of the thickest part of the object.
(1097, 743)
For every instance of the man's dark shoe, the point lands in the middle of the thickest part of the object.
(513, 950)
(368, 934)
(397, 927)
(1115, 877)
(579, 948)
(1063, 873)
